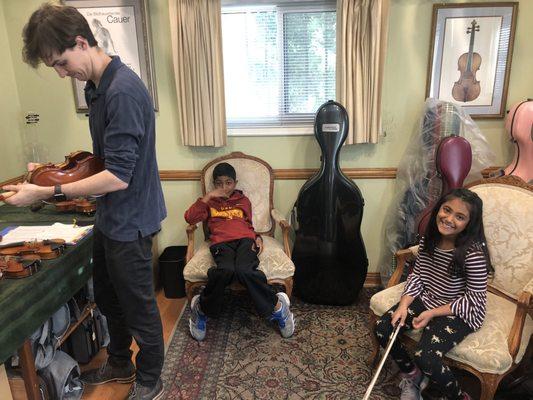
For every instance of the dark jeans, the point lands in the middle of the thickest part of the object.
(438, 337)
(124, 292)
(237, 259)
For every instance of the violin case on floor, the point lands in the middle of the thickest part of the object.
(90, 336)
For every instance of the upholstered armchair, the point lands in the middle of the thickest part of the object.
(497, 348)
(256, 179)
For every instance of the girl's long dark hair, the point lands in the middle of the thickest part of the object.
(472, 235)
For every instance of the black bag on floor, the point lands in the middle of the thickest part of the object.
(83, 344)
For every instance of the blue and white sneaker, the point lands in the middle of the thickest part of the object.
(197, 321)
(284, 317)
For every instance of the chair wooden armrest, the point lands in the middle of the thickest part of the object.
(402, 256)
(190, 241)
(285, 228)
(523, 307)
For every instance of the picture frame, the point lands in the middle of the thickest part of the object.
(121, 27)
(470, 56)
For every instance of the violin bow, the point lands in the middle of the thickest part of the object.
(382, 362)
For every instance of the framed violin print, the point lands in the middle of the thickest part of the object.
(470, 56)
(121, 28)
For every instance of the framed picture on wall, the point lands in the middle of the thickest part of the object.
(121, 27)
(470, 56)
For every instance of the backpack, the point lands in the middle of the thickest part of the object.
(44, 341)
(59, 371)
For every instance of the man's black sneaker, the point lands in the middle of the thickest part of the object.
(141, 392)
(109, 372)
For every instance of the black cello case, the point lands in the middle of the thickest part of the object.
(329, 253)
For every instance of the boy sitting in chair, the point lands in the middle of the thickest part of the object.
(235, 247)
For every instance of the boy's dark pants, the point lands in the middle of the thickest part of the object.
(237, 259)
(123, 289)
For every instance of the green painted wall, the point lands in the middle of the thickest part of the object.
(403, 98)
(10, 111)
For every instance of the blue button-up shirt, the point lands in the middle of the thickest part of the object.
(122, 124)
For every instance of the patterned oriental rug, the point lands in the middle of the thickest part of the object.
(244, 357)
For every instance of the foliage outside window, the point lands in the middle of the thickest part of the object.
(279, 63)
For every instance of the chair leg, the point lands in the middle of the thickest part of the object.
(288, 286)
(489, 384)
(374, 355)
(189, 291)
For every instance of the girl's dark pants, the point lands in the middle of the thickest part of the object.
(438, 337)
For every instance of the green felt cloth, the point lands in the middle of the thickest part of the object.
(45, 215)
(26, 303)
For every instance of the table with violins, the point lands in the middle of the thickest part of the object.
(26, 303)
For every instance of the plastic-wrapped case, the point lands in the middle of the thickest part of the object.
(418, 183)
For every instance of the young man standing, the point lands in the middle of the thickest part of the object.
(131, 208)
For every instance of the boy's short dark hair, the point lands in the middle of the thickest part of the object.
(53, 29)
(224, 169)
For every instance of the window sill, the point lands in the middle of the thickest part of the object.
(273, 131)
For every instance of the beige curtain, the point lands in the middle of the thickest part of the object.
(361, 41)
(196, 37)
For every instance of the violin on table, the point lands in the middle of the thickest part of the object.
(81, 205)
(43, 249)
(19, 267)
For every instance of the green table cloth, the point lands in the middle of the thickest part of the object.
(45, 215)
(26, 303)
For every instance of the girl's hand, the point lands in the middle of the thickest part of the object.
(422, 320)
(399, 316)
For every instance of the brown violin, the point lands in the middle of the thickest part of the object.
(467, 88)
(44, 249)
(77, 165)
(19, 267)
(81, 205)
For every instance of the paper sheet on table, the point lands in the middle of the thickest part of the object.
(68, 232)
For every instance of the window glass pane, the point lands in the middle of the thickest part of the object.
(309, 40)
(279, 63)
(251, 65)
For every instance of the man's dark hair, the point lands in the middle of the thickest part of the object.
(53, 29)
(224, 169)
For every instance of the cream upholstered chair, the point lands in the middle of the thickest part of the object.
(256, 179)
(497, 348)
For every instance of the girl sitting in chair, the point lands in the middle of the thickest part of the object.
(445, 295)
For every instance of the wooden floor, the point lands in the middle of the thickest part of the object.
(170, 310)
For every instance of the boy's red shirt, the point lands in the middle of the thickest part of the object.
(227, 219)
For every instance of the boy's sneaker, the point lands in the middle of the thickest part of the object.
(197, 321)
(284, 317)
(412, 384)
(141, 392)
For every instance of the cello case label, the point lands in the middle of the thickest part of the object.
(331, 127)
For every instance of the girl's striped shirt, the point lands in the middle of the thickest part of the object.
(433, 283)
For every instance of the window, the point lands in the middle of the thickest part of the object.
(279, 62)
